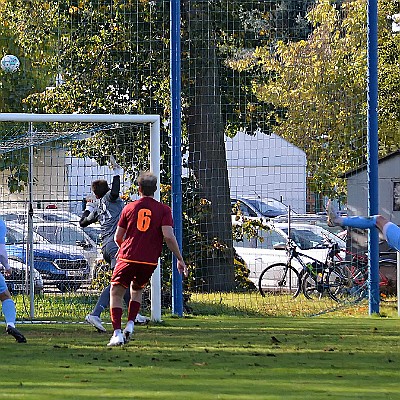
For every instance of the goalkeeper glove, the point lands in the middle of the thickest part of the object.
(92, 208)
(117, 170)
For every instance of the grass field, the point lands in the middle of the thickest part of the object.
(208, 358)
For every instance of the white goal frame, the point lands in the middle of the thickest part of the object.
(154, 121)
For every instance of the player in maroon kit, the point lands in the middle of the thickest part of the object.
(142, 227)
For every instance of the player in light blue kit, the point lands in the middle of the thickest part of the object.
(390, 231)
(8, 306)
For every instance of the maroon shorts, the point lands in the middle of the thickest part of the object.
(137, 273)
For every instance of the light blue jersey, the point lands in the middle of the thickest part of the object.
(3, 231)
(392, 232)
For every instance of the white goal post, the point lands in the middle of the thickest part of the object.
(154, 121)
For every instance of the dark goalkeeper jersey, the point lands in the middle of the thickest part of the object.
(143, 220)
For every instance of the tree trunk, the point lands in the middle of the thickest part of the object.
(207, 156)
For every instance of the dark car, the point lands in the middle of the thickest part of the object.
(66, 270)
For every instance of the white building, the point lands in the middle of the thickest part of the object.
(267, 166)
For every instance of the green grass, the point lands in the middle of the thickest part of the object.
(72, 306)
(210, 357)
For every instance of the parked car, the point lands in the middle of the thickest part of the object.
(266, 249)
(70, 238)
(254, 207)
(92, 232)
(57, 265)
(63, 228)
(19, 282)
(313, 219)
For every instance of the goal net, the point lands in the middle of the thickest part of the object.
(48, 162)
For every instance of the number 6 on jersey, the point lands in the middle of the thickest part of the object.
(144, 219)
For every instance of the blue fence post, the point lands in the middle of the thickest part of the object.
(176, 158)
(373, 179)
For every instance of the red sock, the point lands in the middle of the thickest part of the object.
(116, 316)
(133, 310)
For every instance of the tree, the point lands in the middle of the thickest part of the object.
(221, 102)
(317, 90)
(114, 58)
(19, 36)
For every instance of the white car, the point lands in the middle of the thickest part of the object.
(267, 248)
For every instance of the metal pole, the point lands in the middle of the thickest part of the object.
(372, 127)
(29, 247)
(155, 168)
(175, 51)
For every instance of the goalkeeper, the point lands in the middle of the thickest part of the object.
(107, 212)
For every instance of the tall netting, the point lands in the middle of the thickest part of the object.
(47, 173)
(274, 110)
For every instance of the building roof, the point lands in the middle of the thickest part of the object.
(364, 166)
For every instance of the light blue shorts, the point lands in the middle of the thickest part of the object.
(3, 286)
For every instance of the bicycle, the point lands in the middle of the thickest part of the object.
(358, 269)
(314, 278)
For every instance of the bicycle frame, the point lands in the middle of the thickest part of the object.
(293, 253)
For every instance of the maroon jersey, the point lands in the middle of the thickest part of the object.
(143, 220)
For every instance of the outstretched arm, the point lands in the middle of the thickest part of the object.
(116, 183)
(381, 222)
(115, 187)
(391, 232)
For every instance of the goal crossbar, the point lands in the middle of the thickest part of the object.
(154, 121)
(127, 118)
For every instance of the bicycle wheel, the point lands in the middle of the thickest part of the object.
(313, 286)
(279, 278)
(387, 278)
(347, 282)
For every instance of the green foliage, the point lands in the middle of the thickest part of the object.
(248, 26)
(316, 88)
(199, 250)
(102, 276)
(27, 30)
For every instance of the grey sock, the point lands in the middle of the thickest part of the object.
(103, 302)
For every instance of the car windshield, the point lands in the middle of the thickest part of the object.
(64, 235)
(62, 216)
(268, 206)
(306, 239)
(14, 236)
